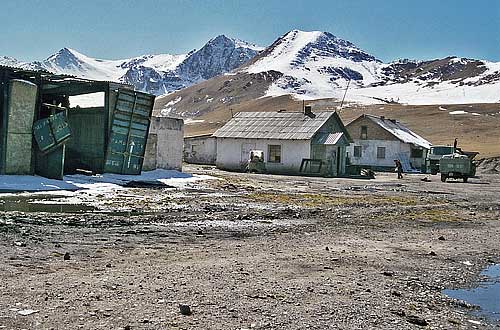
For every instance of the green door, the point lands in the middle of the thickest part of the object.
(129, 132)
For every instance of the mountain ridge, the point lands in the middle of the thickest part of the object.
(153, 73)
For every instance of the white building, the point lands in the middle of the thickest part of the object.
(200, 149)
(292, 142)
(378, 141)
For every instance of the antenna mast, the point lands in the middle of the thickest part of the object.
(345, 93)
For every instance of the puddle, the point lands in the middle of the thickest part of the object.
(41, 205)
(486, 294)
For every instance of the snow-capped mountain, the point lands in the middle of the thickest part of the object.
(156, 74)
(320, 65)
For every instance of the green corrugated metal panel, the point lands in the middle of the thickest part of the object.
(86, 149)
(129, 132)
(51, 163)
(52, 131)
(20, 109)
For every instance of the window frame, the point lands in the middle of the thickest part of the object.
(419, 151)
(355, 155)
(364, 132)
(270, 154)
(378, 153)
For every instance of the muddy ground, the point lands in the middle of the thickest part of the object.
(250, 252)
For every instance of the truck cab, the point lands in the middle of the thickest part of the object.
(434, 156)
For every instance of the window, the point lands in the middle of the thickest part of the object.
(274, 154)
(416, 153)
(364, 132)
(358, 151)
(381, 152)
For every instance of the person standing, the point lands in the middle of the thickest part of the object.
(399, 168)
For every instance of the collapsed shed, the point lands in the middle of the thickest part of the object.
(42, 132)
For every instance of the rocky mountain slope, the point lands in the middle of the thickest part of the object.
(157, 74)
(318, 65)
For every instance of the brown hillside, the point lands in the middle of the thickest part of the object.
(475, 132)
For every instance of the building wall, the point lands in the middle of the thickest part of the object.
(19, 122)
(374, 131)
(392, 149)
(165, 144)
(200, 150)
(233, 154)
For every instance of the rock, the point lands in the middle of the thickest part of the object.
(67, 256)
(26, 312)
(413, 319)
(396, 293)
(185, 309)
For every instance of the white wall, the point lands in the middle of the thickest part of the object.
(392, 148)
(231, 157)
(165, 144)
(200, 150)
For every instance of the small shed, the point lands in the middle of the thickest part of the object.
(291, 142)
(164, 147)
(378, 141)
(200, 149)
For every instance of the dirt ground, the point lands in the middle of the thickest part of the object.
(251, 252)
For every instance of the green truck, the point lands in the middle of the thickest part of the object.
(435, 155)
(456, 166)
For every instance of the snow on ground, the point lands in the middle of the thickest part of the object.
(408, 93)
(96, 183)
(190, 121)
(169, 107)
(33, 183)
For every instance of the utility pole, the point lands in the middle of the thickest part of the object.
(345, 93)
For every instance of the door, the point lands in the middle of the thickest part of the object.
(246, 148)
(129, 132)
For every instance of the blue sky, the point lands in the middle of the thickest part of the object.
(388, 29)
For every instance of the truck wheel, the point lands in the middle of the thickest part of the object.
(465, 178)
(444, 177)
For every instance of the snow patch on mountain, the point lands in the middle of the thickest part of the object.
(320, 65)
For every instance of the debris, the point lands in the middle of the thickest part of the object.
(417, 320)
(467, 263)
(426, 179)
(185, 309)
(474, 322)
(67, 256)
(388, 273)
(441, 238)
(432, 253)
(127, 327)
(327, 248)
(26, 312)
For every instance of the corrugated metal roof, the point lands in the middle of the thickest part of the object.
(273, 125)
(400, 131)
(328, 138)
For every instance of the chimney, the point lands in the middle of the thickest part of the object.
(308, 111)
